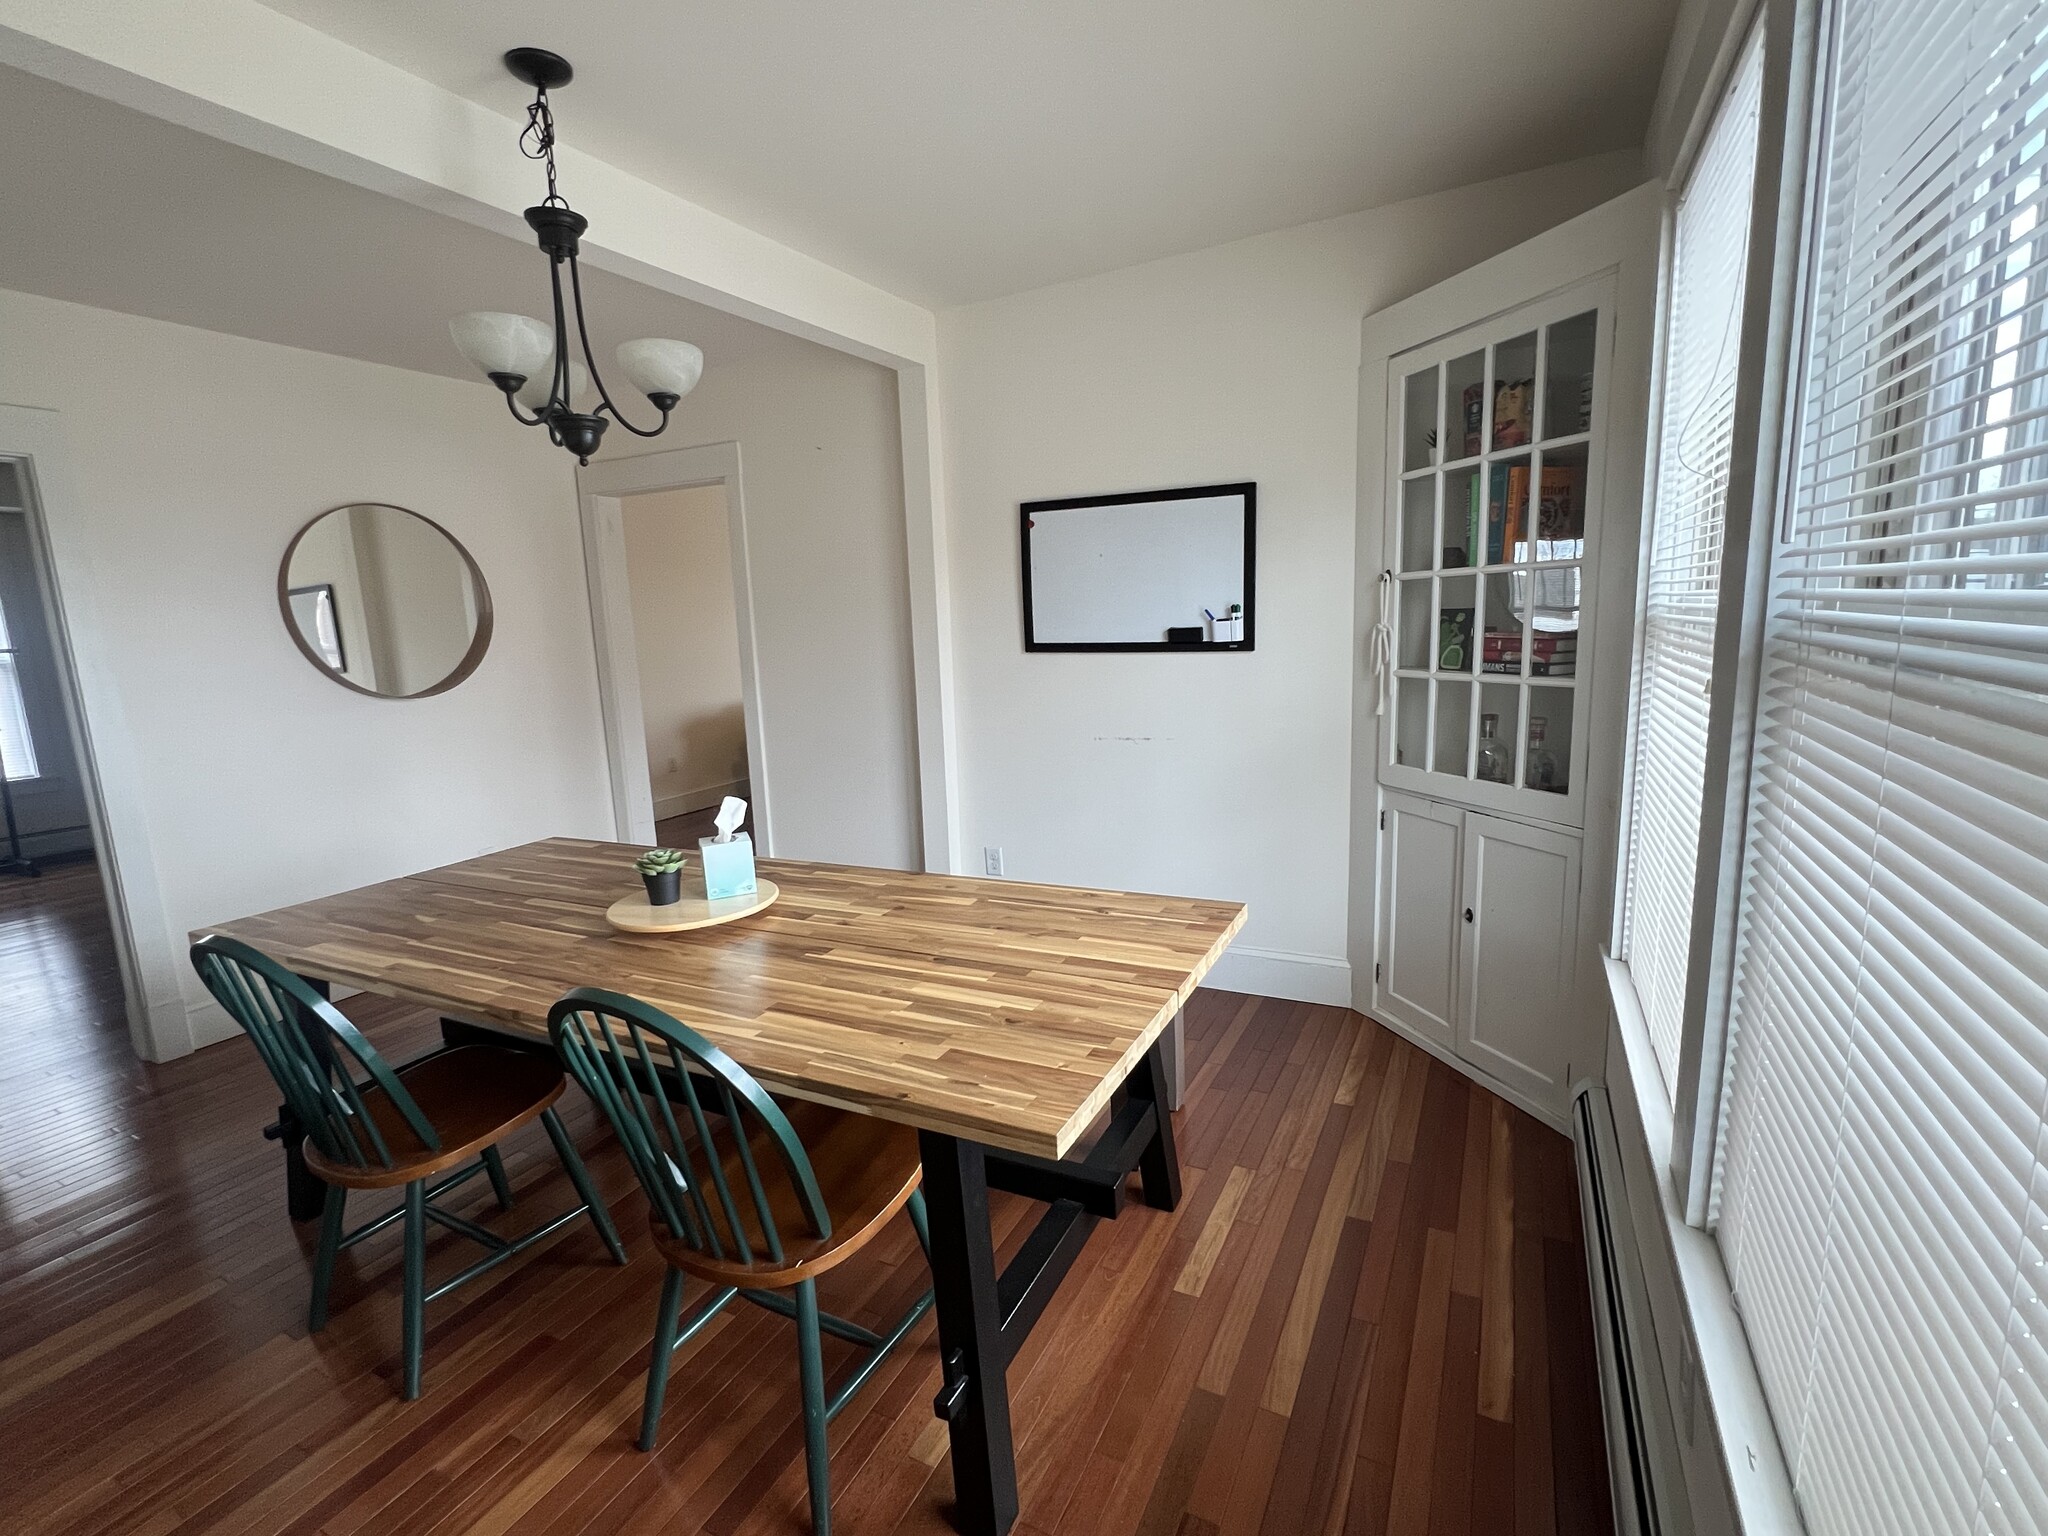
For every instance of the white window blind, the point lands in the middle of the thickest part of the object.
(1710, 250)
(1881, 1196)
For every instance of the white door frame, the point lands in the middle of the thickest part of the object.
(109, 769)
(600, 490)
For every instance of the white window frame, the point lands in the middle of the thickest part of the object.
(1654, 898)
(1774, 291)
(13, 699)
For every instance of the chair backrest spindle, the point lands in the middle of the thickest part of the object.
(635, 1062)
(309, 1046)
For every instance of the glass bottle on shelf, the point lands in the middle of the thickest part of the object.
(1496, 762)
(1542, 761)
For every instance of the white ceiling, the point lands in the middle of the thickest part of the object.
(116, 209)
(954, 150)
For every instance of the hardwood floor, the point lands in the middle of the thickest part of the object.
(1369, 1314)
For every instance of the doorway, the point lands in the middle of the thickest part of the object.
(60, 961)
(665, 552)
(686, 647)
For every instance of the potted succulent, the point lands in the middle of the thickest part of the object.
(661, 870)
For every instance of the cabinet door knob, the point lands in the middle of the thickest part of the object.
(1468, 914)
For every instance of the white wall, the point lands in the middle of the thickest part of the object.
(1220, 776)
(679, 578)
(194, 457)
(822, 474)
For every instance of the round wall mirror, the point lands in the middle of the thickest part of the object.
(385, 601)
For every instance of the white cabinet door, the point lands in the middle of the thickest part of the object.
(1520, 893)
(1416, 975)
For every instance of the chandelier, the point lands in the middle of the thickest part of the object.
(523, 356)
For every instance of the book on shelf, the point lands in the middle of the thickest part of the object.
(1561, 505)
(1551, 654)
(1506, 514)
(1475, 417)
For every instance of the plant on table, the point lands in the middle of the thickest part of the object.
(661, 870)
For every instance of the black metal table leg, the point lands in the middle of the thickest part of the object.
(305, 1197)
(1174, 1043)
(1159, 1165)
(974, 1397)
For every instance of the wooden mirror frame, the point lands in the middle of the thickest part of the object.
(478, 643)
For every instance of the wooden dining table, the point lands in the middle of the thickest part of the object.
(1028, 1032)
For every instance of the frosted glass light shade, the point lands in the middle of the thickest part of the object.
(659, 367)
(533, 394)
(500, 343)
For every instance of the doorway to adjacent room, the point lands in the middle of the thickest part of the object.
(666, 547)
(686, 643)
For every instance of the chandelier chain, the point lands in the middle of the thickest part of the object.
(537, 142)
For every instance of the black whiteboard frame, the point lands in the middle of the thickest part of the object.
(1247, 489)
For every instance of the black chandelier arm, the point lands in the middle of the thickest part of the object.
(607, 407)
(653, 431)
(512, 405)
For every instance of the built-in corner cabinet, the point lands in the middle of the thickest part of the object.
(1501, 518)
(1479, 940)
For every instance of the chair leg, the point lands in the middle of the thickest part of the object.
(600, 1218)
(415, 1282)
(494, 1165)
(323, 1264)
(917, 1219)
(664, 1352)
(811, 1370)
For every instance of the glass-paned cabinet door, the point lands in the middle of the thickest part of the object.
(1496, 438)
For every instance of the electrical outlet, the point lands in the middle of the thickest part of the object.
(992, 860)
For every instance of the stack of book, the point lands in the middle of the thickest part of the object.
(1551, 654)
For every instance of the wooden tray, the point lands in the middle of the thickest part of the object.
(632, 914)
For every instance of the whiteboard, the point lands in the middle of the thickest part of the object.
(1117, 572)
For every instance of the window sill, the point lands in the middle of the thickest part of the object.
(1694, 1307)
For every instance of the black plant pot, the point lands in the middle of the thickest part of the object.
(664, 889)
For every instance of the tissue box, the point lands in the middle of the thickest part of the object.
(728, 867)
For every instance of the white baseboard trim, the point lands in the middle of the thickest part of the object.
(688, 800)
(1279, 973)
(209, 1023)
(56, 845)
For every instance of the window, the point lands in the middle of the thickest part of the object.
(17, 746)
(1710, 250)
(1882, 1195)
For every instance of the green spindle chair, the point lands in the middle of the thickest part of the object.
(445, 1110)
(756, 1197)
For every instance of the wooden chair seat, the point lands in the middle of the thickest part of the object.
(473, 1095)
(866, 1170)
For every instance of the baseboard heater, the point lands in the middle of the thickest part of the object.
(1649, 1496)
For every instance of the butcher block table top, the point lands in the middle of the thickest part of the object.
(1000, 1012)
